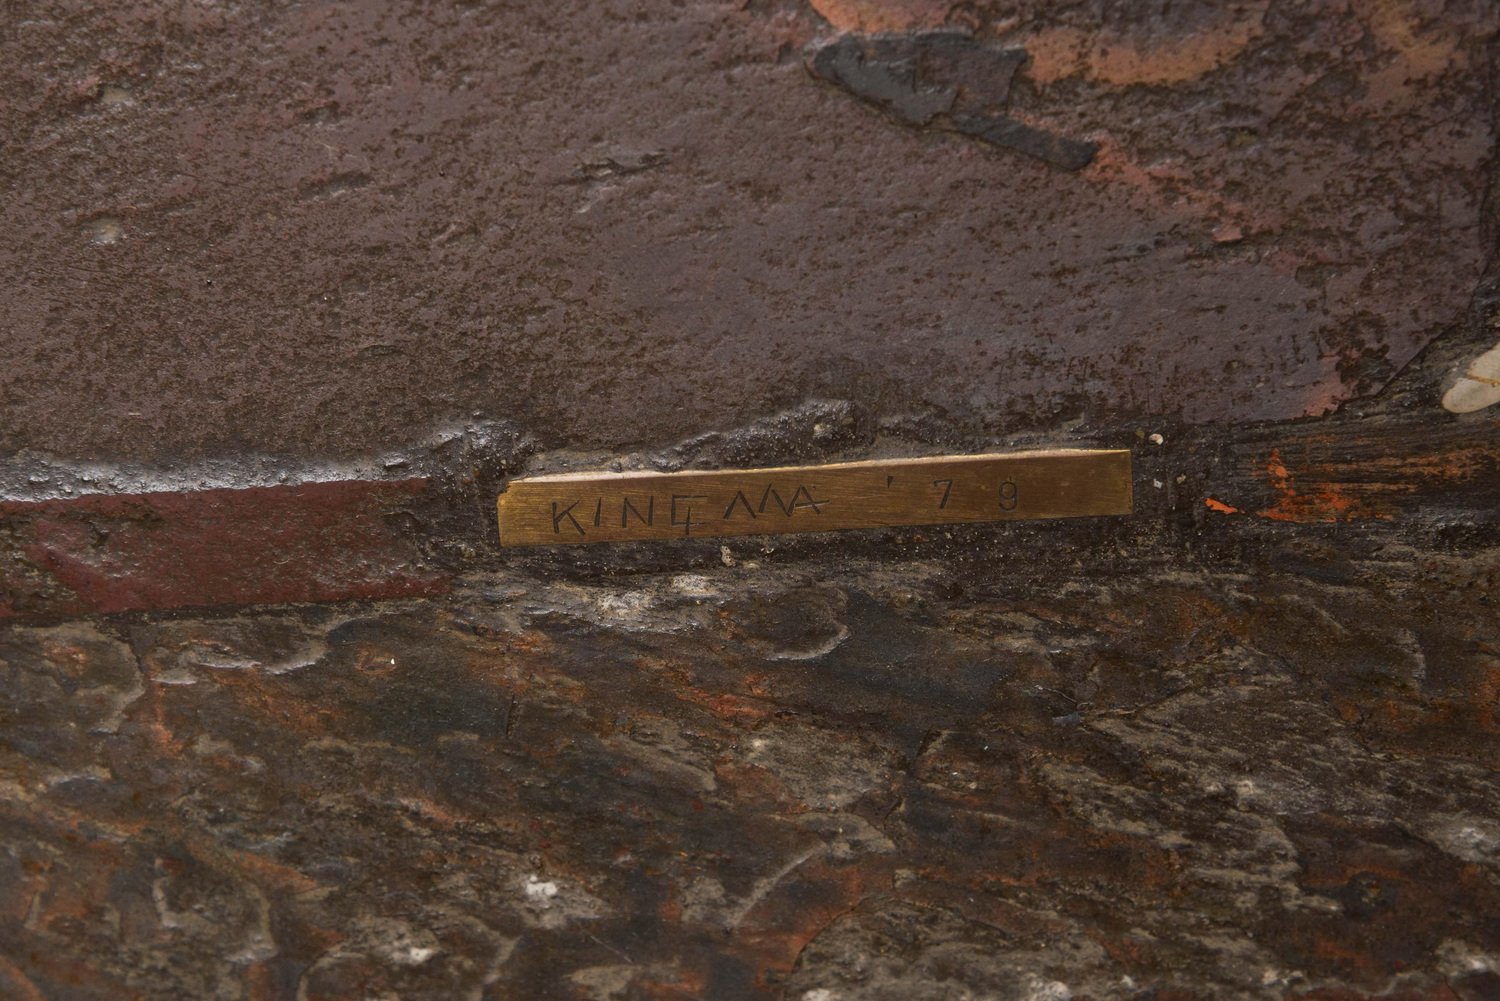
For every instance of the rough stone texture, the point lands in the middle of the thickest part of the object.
(323, 230)
(1044, 769)
(295, 289)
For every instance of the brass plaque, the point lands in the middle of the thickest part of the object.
(617, 507)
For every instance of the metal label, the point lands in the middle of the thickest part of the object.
(620, 507)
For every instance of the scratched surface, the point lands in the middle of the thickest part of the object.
(311, 230)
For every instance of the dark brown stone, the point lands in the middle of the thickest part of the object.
(879, 778)
(326, 231)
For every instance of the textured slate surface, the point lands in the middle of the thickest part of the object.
(1080, 770)
(315, 230)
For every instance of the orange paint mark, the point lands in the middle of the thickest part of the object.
(1327, 504)
(1170, 187)
(1219, 506)
(70, 657)
(1122, 61)
(751, 783)
(870, 16)
(1455, 464)
(77, 827)
(266, 696)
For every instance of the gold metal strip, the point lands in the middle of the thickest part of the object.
(880, 493)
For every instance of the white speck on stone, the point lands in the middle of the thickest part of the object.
(402, 944)
(539, 891)
(1156, 484)
(104, 231)
(1473, 839)
(1048, 990)
(1458, 959)
(111, 97)
(1157, 439)
(820, 994)
(1478, 387)
(694, 585)
(417, 955)
(725, 556)
(624, 608)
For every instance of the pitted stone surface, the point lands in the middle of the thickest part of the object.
(309, 231)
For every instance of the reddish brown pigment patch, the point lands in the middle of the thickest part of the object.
(1124, 58)
(255, 545)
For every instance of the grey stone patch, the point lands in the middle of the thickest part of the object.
(823, 770)
(902, 952)
(61, 689)
(271, 644)
(848, 835)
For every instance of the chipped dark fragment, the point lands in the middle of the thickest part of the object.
(1060, 151)
(619, 164)
(884, 74)
(944, 80)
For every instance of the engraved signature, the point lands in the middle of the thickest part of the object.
(687, 511)
(778, 501)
